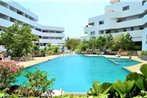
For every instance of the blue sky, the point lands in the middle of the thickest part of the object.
(72, 15)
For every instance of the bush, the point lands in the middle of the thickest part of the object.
(9, 71)
(144, 53)
(135, 86)
(38, 80)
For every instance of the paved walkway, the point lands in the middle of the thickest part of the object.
(37, 60)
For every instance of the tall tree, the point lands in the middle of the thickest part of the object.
(18, 40)
(126, 41)
(83, 45)
(100, 42)
(92, 43)
(72, 44)
(109, 40)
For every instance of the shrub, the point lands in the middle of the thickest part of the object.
(144, 53)
(38, 80)
(135, 86)
(9, 71)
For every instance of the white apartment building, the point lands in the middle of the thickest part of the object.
(11, 12)
(121, 17)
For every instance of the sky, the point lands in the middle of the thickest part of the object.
(71, 14)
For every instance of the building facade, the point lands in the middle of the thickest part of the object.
(11, 12)
(121, 17)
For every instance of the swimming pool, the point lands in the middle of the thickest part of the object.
(76, 73)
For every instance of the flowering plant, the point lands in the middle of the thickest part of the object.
(9, 71)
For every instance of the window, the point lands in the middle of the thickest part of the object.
(108, 31)
(12, 19)
(19, 12)
(116, 31)
(132, 28)
(92, 33)
(125, 30)
(38, 29)
(140, 28)
(45, 31)
(52, 31)
(144, 2)
(86, 32)
(39, 36)
(101, 32)
(101, 22)
(58, 31)
(125, 8)
(3, 4)
(119, 20)
(91, 24)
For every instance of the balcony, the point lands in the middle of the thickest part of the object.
(53, 41)
(129, 23)
(16, 16)
(89, 28)
(145, 6)
(145, 19)
(5, 23)
(47, 34)
(136, 35)
(125, 13)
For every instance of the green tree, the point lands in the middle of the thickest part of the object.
(100, 42)
(109, 40)
(72, 44)
(51, 49)
(126, 41)
(18, 40)
(83, 45)
(116, 43)
(92, 43)
(36, 49)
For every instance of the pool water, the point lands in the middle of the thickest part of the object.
(76, 73)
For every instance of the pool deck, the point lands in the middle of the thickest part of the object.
(37, 60)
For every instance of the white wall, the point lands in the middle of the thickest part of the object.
(114, 12)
